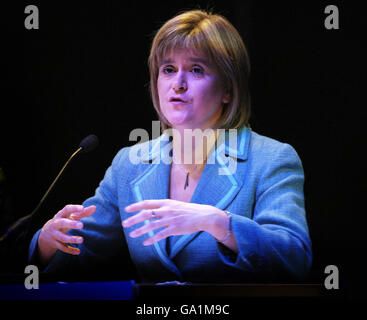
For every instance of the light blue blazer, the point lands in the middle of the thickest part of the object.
(258, 179)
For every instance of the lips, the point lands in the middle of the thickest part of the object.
(177, 100)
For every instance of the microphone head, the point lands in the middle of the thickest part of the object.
(89, 143)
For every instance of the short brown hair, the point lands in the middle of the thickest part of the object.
(216, 37)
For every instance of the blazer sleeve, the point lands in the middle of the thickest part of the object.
(275, 242)
(102, 232)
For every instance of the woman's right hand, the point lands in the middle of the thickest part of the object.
(53, 234)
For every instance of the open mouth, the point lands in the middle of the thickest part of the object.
(177, 100)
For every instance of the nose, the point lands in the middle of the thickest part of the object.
(180, 84)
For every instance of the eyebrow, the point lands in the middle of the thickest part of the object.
(192, 59)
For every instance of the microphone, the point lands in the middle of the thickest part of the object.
(88, 144)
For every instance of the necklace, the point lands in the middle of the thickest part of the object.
(187, 175)
(188, 172)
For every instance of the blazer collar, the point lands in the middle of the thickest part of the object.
(223, 175)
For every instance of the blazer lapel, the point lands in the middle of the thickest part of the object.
(153, 183)
(223, 175)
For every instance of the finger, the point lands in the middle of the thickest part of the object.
(67, 249)
(147, 204)
(159, 236)
(64, 238)
(68, 209)
(153, 225)
(86, 212)
(67, 224)
(144, 215)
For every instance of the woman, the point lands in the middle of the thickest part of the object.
(193, 219)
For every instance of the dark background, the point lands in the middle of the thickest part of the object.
(85, 71)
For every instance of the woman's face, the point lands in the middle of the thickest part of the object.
(190, 90)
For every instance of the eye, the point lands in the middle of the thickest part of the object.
(168, 69)
(197, 70)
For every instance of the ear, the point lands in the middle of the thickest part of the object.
(226, 98)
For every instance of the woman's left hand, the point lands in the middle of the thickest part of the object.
(176, 217)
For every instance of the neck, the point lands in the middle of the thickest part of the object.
(191, 147)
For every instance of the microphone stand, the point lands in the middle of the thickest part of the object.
(15, 253)
(25, 221)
